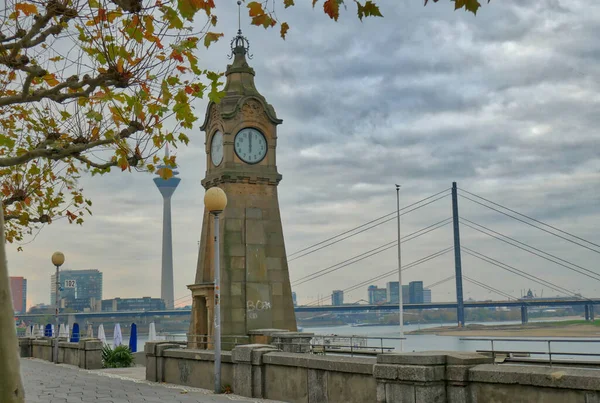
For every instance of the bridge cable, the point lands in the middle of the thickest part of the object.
(489, 288)
(430, 286)
(389, 273)
(521, 273)
(593, 276)
(372, 252)
(365, 229)
(530, 224)
(531, 218)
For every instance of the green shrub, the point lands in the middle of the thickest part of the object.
(119, 357)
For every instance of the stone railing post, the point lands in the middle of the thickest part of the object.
(248, 371)
(90, 354)
(457, 374)
(154, 359)
(410, 378)
(427, 377)
(25, 347)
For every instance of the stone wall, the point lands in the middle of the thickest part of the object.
(527, 383)
(168, 362)
(263, 371)
(84, 354)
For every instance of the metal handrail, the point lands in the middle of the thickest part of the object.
(550, 353)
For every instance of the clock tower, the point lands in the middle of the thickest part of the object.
(241, 145)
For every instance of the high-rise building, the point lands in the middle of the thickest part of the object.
(376, 295)
(337, 298)
(416, 292)
(77, 288)
(167, 187)
(294, 300)
(18, 290)
(426, 296)
(392, 292)
(133, 304)
(405, 294)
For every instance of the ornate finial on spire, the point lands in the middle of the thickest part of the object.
(240, 44)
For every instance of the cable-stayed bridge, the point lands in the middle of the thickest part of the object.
(568, 297)
(458, 222)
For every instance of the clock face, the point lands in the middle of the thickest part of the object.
(250, 145)
(216, 148)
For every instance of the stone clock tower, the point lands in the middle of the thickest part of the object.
(241, 144)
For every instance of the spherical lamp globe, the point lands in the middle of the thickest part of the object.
(215, 199)
(58, 258)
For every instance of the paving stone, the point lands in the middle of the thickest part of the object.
(46, 382)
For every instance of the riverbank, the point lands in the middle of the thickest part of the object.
(569, 328)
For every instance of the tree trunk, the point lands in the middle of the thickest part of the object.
(11, 387)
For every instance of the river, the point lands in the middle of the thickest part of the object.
(429, 342)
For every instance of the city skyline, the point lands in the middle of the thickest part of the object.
(422, 105)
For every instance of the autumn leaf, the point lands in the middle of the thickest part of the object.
(284, 28)
(211, 37)
(26, 8)
(51, 80)
(469, 5)
(288, 3)
(165, 173)
(263, 20)
(187, 8)
(255, 9)
(71, 216)
(370, 9)
(332, 9)
(176, 55)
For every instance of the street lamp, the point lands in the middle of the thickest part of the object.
(400, 296)
(58, 258)
(215, 201)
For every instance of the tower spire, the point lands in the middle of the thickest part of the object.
(240, 44)
(239, 17)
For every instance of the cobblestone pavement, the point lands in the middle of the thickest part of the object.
(46, 382)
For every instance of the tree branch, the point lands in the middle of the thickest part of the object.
(42, 219)
(54, 94)
(69, 151)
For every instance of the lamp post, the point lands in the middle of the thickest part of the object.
(58, 258)
(215, 201)
(400, 296)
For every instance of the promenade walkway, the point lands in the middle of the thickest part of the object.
(46, 382)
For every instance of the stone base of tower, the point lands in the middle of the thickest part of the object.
(201, 329)
(255, 284)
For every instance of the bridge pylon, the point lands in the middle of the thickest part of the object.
(460, 307)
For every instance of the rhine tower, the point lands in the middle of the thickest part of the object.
(167, 187)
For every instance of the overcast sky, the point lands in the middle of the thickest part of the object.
(506, 103)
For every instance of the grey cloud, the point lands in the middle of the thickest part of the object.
(505, 103)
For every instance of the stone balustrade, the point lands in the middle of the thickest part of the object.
(264, 371)
(87, 353)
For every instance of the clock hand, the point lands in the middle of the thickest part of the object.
(250, 144)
